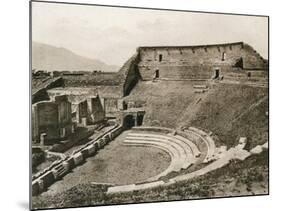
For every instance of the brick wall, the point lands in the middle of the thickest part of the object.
(196, 61)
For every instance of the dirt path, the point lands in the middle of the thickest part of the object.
(191, 110)
(116, 163)
(254, 105)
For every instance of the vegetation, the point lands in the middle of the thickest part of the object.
(38, 157)
(229, 111)
(165, 101)
(234, 111)
(248, 177)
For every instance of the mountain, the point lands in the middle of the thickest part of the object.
(48, 57)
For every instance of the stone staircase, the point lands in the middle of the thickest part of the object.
(200, 88)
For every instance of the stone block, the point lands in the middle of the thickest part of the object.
(91, 149)
(35, 188)
(78, 158)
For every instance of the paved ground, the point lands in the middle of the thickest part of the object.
(116, 163)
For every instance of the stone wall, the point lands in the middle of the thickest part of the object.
(97, 112)
(188, 62)
(51, 118)
(85, 103)
(82, 112)
(45, 178)
(89, 80)
(89, 111)
(40, 87)
(129, 74)
(111, 106)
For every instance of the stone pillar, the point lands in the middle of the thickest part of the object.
(62, 132)
(42, 138)
(78, 114)
(84, 121)
(136, 119)
(90, 106)
(73, 128)
(120, 104)
(102, 100)
(93, 118)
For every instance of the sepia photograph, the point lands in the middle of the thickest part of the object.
(135, 105)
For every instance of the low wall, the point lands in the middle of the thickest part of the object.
(60, 168)
(154, 129)
(176, 72)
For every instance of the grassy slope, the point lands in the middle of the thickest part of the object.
(219, 111)
(249, 177)
(165, 101)
(173, 104)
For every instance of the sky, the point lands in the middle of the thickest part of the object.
(112, 34)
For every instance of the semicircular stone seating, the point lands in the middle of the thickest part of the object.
(187, 147)
(182, 151)
(209, 142)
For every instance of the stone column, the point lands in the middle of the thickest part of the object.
(62, 132)
(42, 138)
(120, 104)
(90, 106)
(78, 114)
(84, 121)
(136, 119)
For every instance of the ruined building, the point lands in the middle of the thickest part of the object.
(90, 98)
(86, 106)
(51, 120)
(199, 62)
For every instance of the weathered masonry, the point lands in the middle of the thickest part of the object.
(198, 62)
(95, 96)
(86, 106)
(51, 120)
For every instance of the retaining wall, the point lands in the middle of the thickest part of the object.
(60, 168)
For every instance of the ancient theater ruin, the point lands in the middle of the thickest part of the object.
(169, 115)
(200, 62)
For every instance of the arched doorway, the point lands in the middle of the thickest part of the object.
(129, 121)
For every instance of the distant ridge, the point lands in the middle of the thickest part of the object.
(48, 57)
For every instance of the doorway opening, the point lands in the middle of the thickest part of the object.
(139, 120)
(129, 121)
(223, 56)
(156, 74)
(160, 57)
(217, 73)
(249, 75)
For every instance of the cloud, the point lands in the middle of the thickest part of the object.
(113, 34)
(157, 24)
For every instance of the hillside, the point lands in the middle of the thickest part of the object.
(239, 178)
(48, 57)
(229, 111)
